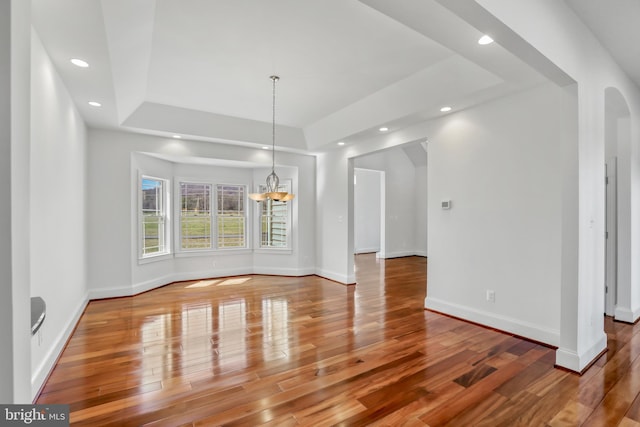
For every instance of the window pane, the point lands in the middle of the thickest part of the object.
(195, 215)
(153, 216)
(274, 216)
(153, 233)
(231, 216)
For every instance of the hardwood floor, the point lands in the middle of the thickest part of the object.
(285, 351)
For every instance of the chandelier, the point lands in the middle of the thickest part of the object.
(273, 182)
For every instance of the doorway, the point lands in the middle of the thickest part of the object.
(368, 211)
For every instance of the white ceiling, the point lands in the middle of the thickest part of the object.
(201, 68)
(617, 25)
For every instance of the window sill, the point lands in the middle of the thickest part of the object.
(154, 258)
(273, 251)
(209, 252)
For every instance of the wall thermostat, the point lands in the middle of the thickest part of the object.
(446, 204)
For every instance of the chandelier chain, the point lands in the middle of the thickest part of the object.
(273, 182)
(273, 124)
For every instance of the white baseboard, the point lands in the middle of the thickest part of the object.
(496, 321)
(573, 361)
(103, 293)
(123, 291)
(366, 250)
(336, 277)
(277, 271)
(39, 376)
(400, 254)
(626, 315)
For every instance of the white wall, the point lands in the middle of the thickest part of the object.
(115, 161)
(14, 190)
(6, 256)
(568, 43)
(501, 165)
(58, 220)
(366, 210)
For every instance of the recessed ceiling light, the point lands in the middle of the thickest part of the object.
(341, 143)
(177, 136)
(266, 148)
(95, 104)
(445, 109)
(383, 129)
(485, 40)
(79, 63)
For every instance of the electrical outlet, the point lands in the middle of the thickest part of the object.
(491, 295)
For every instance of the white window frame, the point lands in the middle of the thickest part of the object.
(285, 185)
(178, 226)
(246, 205)
(165, 217)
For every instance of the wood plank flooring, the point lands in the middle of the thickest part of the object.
(286, 351)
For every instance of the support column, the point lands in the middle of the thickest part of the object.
(582, 336)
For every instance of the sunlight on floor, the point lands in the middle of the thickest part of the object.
(202, 284)
(227, 282)
(236, 281)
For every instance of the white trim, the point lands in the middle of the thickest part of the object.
(274, 251)
(367, 250)
(213, 208)
(103, 293)
(157, 282)
(214, 216)
(168, 217)
(626, 315)
(177, 207)
(383, 216)
(39, 376)
(125, 291)
(399, 254)
(492, 320)
(573, 361)
(336, 277)
(154, 258)
(277, 271)
(209, 252)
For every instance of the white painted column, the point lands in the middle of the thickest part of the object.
(334, 217)
(634, 154)
(568, 44)
(582, 335)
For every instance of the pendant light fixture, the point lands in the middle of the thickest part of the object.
(273, 182)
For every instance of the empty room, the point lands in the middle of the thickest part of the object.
(346, 212)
